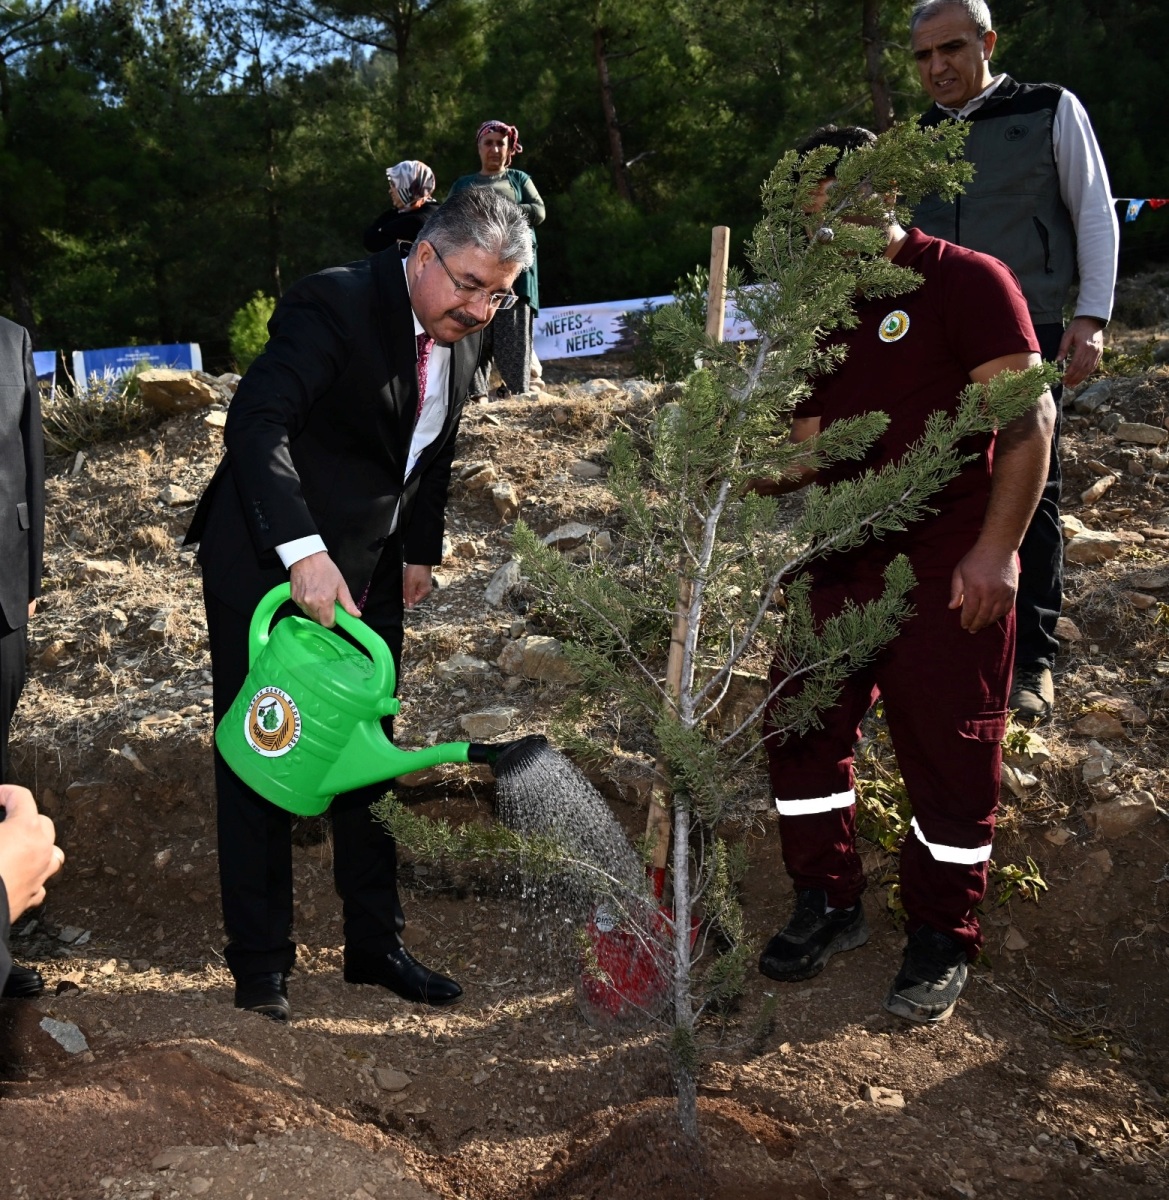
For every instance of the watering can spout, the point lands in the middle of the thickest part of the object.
(369, 757)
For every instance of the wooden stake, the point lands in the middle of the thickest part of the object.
(716, 302)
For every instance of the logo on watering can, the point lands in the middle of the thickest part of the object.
(272, 723)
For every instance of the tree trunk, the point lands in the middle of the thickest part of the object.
(684, 1055)
(875, 66)
(616, 150)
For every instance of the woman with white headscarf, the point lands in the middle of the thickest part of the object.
(412, 185)
(510, 333)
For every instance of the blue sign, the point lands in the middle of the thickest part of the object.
(109, 364)
(44, 362)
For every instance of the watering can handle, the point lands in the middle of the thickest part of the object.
(385, 677)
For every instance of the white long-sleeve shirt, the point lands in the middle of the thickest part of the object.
(1086, 193)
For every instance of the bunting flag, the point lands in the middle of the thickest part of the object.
(1133, 205)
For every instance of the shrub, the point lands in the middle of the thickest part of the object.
(248, 331)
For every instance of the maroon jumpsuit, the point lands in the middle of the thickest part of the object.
(944, 689)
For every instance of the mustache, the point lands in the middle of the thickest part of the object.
(465, 319)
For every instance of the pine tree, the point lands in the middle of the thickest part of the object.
(704, 557)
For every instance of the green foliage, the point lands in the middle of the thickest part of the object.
(1116, 363)
(1026, 882)
(248, 332)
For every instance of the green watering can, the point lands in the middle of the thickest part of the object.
(306, 724)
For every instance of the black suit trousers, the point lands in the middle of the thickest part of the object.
(255, 836)
(13, 648)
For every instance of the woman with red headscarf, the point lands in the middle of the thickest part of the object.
(508, 339)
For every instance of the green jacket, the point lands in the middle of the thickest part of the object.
(517, 186)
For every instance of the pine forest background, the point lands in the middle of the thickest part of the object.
(161, 162)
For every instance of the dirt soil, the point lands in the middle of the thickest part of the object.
(1049, 1080)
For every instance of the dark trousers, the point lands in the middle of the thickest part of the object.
(1040, 596)
(255, 836)
(945, 697)
(13, 670)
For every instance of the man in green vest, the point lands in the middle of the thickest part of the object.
(1040, 201)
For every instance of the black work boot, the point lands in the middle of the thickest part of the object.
(811, 937)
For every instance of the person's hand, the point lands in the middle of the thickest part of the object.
(1080, 349)
(417, 582)
(317, 586)
(32, 607)
(983, 586)
(27, 853)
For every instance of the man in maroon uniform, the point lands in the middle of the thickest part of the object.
(945, 677)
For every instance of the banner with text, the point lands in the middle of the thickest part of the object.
(109, 364)
(574, 330)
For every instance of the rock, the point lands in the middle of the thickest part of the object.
(174, 496)
(560, 415)
(80, 788)
(71, 934)
(639, 389)
(1092, 494)
(109, 967)
(603, 542)
(506, 500)
(229, 381)
(1140, 600)
(1099, 724)
(584, 469)
(1135, 467)
(390, 1080)
(1017, 782)
(1097, 467)
(488, 722)
(1033, 755)
(565, 537)
(597, 387)
(882, 1097)
(1119, 706)
(1117, 817)
(1098, 763)
(1059, 836)
(66, 1035)
(1092, 398)
(511, 658)
(118, 622)
(156, 630)
(1138, 431)
(1152, 581)
(1109, 423)
(1158, 460)
(544, 659)
(168, 390)
(98, 570)
(217, 419)
(53, 654)
(1022, 1172)
(502, 582)
(1093, 546)
(199, 1184)
(463, 666)
(478, 476)
(1067, 630)
(169, 1158)
(1015, 940)
(1071, 526)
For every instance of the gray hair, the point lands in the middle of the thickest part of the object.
(976, 10)
(480, 216)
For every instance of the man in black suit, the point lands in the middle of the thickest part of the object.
(335, 478)
(22, 543)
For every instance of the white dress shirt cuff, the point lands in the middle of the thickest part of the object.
(293, 552)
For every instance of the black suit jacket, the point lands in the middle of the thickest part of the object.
(318, 436)
(22, 476)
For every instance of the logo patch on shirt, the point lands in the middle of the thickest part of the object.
(1017, 132)
(894, 327)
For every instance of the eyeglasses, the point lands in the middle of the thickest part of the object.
(469, 294)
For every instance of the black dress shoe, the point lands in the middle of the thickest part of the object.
(403, 974)
(266, 994)
(23, 983)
